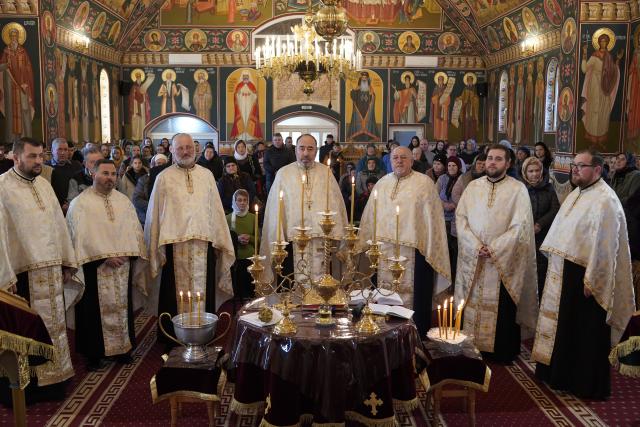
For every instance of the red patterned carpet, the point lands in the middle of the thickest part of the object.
(119, 396)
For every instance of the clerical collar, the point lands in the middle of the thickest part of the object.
(590, 185)
(22, 177)
(303, 167)
(185, 169)
(496, 181)
(189, 179)
(396, 187)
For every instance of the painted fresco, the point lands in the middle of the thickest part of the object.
(568, 55)
(445, 101)
(245, 105)
(288, 92)
(632, 105)
(602, 73)
(91, 19)
(239, 13)
(122, 8)
(25, 7)
(364, 99)
(20, 104)
(159, 91)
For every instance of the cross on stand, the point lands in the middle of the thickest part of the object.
(374, 402)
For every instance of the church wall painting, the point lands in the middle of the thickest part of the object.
(21, 103)
(567, 75)
(96, 20)
(602, 72)
(364, 107)
(237, 13)
(632, 95)
(156, 91)
(245, 105)
(288, 92)
(446, 101)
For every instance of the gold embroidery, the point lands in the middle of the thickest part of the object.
(308, 185)
(374, 402)
(189, 182)
(396, 187)
(108, 206)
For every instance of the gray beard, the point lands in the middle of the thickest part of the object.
(364, 87)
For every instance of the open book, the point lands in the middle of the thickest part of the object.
(358, 296)
(391, 310)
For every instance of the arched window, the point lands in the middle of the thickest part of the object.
(551, 96)
(105, 107)
(503, 95)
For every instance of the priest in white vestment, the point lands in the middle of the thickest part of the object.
(40, 254)
(107, 237)
(496, 272)
(186, 233)
(588, 296)
(288, 180)
(422, 234)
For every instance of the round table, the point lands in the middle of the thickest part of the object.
(324, 374)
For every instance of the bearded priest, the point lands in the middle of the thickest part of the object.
(588, 295)
(186, 234)
(496, 272)
(320, 190)
(41, 255)
(107, 237)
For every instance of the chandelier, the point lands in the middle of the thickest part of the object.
(313, 48)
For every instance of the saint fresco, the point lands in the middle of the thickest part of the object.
(364, 100)
(246, 105)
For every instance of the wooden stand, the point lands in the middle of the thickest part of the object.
(175, 402)
(436, 394)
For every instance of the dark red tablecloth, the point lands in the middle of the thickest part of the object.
(325, 375)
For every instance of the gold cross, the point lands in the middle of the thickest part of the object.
(268, 408)
(374, 402)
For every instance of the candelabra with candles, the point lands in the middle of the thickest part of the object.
(328, 289)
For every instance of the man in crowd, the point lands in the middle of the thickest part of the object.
(276, 157)
(5, 163)
(496, 272)
(41, 255)
(289, 182)
(106, 235)
(422, 235)
(427, 154)
(82, 179)
(371, 153)
(588, 295)
(326, 149)
(186, 233)
(63, 170)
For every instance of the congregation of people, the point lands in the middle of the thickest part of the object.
(528, 253)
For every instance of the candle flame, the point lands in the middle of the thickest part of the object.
(451, 299)
(353, 180)
(439, 306)
(304, 178)
(181, 294)
(281, 194)
(189, 294)
(375, 194)
(329, 162)
(198, 294)
(256, 207)
(445, 304)
(462, 302)
(397, 210)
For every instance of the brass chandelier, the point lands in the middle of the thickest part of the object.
(314, 48)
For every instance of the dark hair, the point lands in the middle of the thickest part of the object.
(371, 180)
(548, 157)
(277, 134)
(136, 157)
(596, 157)
(305, 134)
(99, 162)
(18, 146)
(330, 136)
(482, 157)
(353, 165)
(507, 153)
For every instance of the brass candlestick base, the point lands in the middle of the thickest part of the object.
(256, 268)
(374, 254)
(351, 237)
(367, 324)
(326, 287)
(286, 326)
(396, 268)
(327, 223)
(278, 254)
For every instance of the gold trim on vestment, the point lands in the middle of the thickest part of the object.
(23, 345)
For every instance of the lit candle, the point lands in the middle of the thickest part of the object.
(451, 313)
(279, 228)
(189, 301)
(397, 231)
(181, 303)
(353, 196)
(326, 206)
(444, 318)
(198, 306)
(255, 232)
(459, 316)
(304, 180)
(439, 322)
(375, 215)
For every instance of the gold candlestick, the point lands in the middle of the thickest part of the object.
(198, 307)
(326, 205)
(304, 179)
(353, 197)
(189, 300)
(255, 232)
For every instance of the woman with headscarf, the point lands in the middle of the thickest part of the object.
(210, 159)
(241, 222)
(233, 180)
(437, 168)
(130, 179)
(545, 206)
(444, 186)
(626, 178)
(245, 161)
(468, 155)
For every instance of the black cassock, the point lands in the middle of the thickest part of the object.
(506, 346)
(89, 338)
(579, 363)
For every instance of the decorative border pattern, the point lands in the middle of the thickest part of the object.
(96, 50)
(548, 41)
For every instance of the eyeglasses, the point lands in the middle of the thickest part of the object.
(579, 166)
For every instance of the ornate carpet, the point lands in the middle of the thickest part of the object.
(118, 395)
